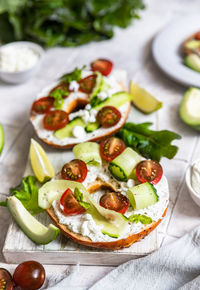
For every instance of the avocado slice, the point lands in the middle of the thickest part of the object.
(67, 130)
(193, 61)
(32, 228)
(190, 108)
(192, 44)
(111, 221)
(90, 127)
(1, 138)
(116, 100)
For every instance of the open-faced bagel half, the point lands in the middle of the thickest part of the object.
(188, 50)
(72, 105)
(112, 245)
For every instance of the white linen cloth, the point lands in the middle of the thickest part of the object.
(175, 266)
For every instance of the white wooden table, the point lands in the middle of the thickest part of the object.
(130, 50)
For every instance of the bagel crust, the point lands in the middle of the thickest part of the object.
(115, 245)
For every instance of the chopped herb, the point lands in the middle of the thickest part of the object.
(58, 94)
(95, 101)
(79, 197)
(136, 218)
(73, 76)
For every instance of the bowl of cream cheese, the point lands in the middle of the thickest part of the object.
(193, 181)
(19, 61)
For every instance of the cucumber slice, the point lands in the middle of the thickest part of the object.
(1, 138)
(193, 61)
(117, 100)
(67, 130)
(92, 127)
(192, 44)
(36, 231)
(88, 152)
(122, 167)
(142, 195)
(100, 86)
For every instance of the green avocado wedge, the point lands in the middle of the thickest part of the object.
(1, 138)
(32, 228)
(116, 100)
(193, 61)
(190, 108)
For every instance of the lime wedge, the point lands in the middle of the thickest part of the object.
(1, 138)
(143, 100)
(40, 163)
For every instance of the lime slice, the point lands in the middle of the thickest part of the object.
(1, 138)
(143, 100)
(40, 163)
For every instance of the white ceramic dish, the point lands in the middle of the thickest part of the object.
(22, 76)
(167, 51)
(194, 195)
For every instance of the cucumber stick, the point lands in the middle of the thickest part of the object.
(142, 195)
(122, 167)
(88, 152)
(1, 138)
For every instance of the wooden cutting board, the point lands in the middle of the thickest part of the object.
(19, 248)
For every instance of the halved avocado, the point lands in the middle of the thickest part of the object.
(67, 130)
(190, 108)
(193, 61)
(32, 228)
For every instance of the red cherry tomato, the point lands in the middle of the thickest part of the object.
(103, 66)
(149, 171)
(55, 120)
(197, 35)
(29, 275)
(43, 105)
(111, 147)
(75, 170)
(69, 203)
(108, 116)
(87, 84)
(6, 281)
(115, 201)
(64, 87)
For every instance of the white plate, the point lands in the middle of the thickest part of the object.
(167, 50)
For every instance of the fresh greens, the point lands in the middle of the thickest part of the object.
(79, 197)
(58, 94)
(3, 203)
(150, 144)
(64, 22)
(27, 193)
(75, 75)
(95, 101)
(136, 218)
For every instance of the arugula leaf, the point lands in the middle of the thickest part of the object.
(73, 76)
(27, 193)
(136, 218)
(79, 197)
(150, 144)
(58, 94)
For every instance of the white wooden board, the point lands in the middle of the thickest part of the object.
(18, 247)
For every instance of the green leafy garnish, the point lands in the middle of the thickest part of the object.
(150, 144)
(27, 193)
(58, 94)
(95, 101)
(63, 22)
(3, 203)
(79, 197)
(136, 218)
(73, 76)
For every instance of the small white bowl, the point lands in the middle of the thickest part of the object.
(195, 196)
(24, 75)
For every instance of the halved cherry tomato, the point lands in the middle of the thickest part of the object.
(197, 35)
(75, 170)
(87, 84)
(43, 105)
(108, 116)
(69, 204)
(103, 66)
(149, 171)
(55, 120)
(64, 87)
(111, 147)
(115, 201)
(6, 281)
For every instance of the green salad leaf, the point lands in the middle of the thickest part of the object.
(136, 218)
(75, 75)
(58, 94)
(79, 197)
(27, 193)
(64, 22)
(149, 143)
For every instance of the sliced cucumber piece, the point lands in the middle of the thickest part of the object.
(90, 127)
(100, 85)
(193, 61)
(117, 100)
(122, 167)
(142, 195)
(88, 152)
(67, 130)
(1, 138)
(192, 44)
(36, 231)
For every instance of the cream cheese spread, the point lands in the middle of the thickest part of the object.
(195, 177)
(85, 225)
